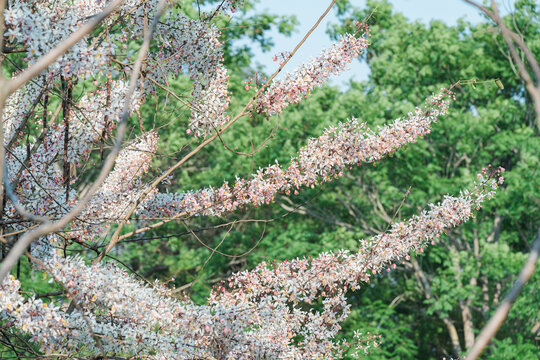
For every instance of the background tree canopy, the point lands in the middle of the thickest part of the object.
(433, 305)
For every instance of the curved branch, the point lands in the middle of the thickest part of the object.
(510, 38)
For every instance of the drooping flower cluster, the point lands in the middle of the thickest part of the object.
(321, 160)
(193, 46)
(94, 115)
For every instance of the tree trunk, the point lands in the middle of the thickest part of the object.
(423, 283)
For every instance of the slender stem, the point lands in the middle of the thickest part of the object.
(3, 4)
(3, 98)
(510, 38)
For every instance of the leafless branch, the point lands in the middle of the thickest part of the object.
(512, 39)
(500, 315)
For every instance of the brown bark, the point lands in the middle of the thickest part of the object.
(468, 325)
(67, 95)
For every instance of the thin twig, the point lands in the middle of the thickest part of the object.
(512, 39)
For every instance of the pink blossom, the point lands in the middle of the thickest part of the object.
(321, 160)
(312, 74)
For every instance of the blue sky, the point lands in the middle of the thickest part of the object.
(308, 11)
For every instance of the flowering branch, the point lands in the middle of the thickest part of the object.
(321, 160)
(292, 309)
(257, 313)
(22, 244)
(243, 112)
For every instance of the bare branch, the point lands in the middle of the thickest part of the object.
(512, 39)
(500, 315)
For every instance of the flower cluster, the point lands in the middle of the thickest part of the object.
(192, 46)
(329, 273)
(321, 160)
(297, 85)
(45, 322)
(183, 44)
(266, 312)
(40, 182)
(291, 310)
(295, 284)
(20, 106)
(93, 115)
(128, 316)
(41, 25)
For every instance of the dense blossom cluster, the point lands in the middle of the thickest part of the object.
(194, 46)
(329, 273)
(295, 86)
(43, 321)
(93, 116)
(41, 25)
(290, 310)
(40, 182)
(321, 160)
(20, 106)
(113, 313)
(256, 314)
(183, 45)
